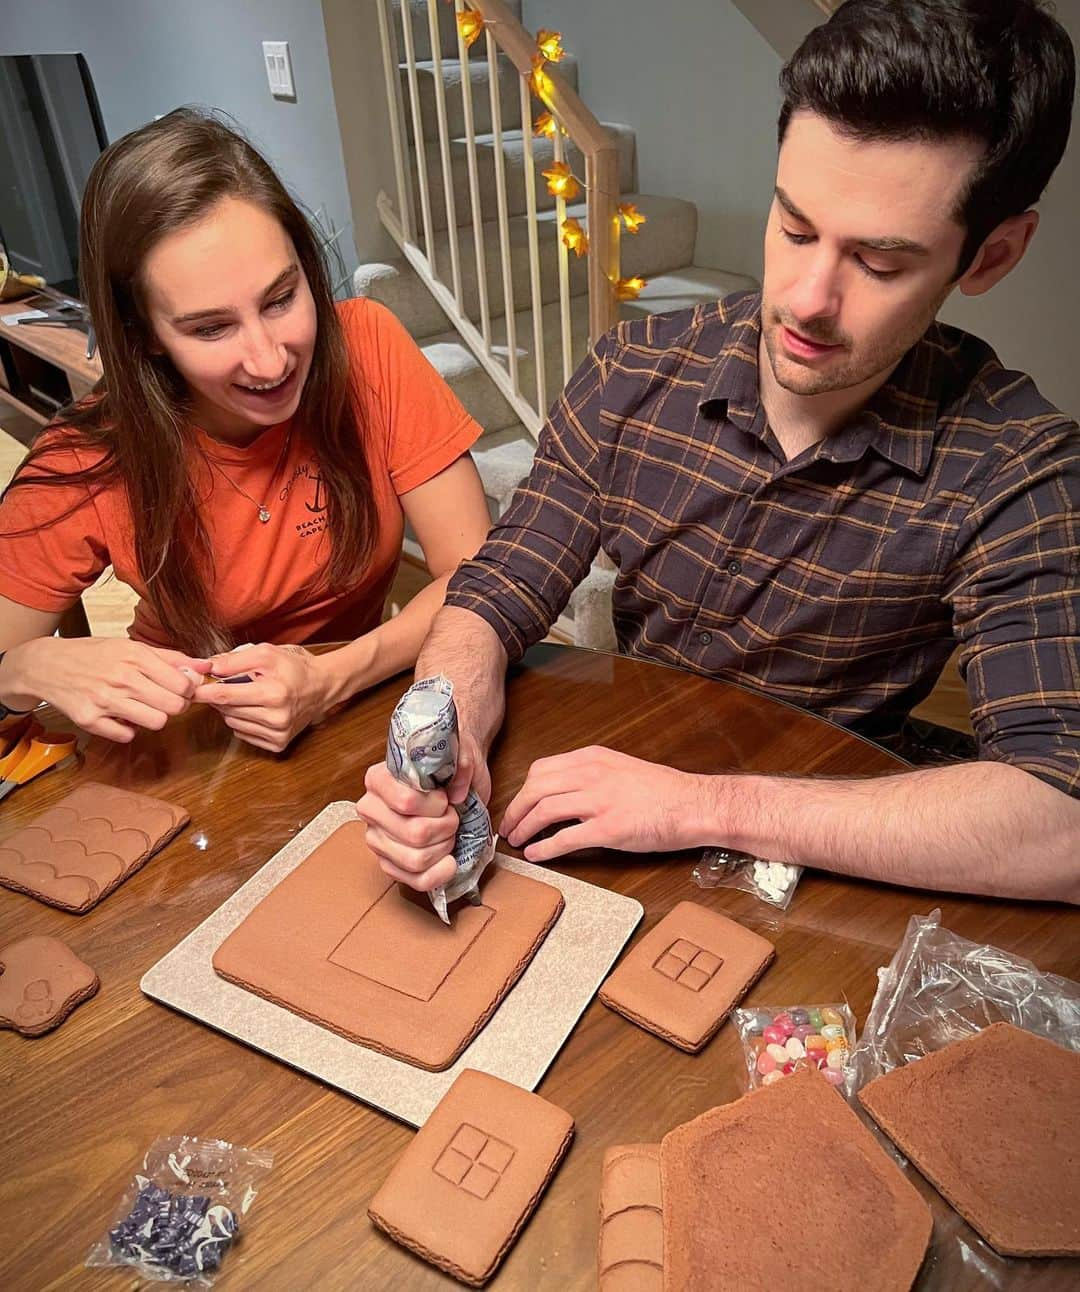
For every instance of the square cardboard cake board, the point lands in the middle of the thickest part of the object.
(518, 1044)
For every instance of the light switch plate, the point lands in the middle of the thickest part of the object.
(279, 68)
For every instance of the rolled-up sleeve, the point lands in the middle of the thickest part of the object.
(542, 547)
(1015, 596)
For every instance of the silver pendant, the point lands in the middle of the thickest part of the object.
(264, 515)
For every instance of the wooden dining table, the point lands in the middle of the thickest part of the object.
(81, 1105)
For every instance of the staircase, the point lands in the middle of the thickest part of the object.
(661, 252)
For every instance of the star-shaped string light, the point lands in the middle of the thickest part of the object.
(549, 43)
(471, 25)
(562, 181)
(545, 126)
(574, 237)
(631, 217)
(628, 289)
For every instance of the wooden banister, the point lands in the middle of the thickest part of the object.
(595, 144)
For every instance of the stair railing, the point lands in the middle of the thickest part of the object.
(504, 34)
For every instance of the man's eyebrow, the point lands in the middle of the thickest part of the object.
(286, 275)
(872, 244)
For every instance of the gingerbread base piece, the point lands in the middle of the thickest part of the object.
(337, 943)
(993, 1122)
(41, 981)
(83, 847)
(461, 1192)
(682, 979)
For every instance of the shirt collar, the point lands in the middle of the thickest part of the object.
(898, 423)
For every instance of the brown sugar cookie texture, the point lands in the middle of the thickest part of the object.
(41, 982)
(750, 1187)
(78, 851)
(682, 978)
(462, 1190)
(631, 1254)
(993, 1122)
(337, 943)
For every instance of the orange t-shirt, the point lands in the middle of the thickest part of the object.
(269, 578)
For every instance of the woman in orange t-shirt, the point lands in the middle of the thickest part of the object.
(247, 463)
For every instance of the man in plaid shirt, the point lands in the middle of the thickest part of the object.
(819, 491)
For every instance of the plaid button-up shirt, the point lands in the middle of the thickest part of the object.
(947, 512)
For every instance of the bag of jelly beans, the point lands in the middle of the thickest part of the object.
(781, 1039)
(183, 1210)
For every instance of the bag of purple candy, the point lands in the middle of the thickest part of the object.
(781, 1039)
(183, 1211)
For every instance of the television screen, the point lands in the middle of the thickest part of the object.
(51, 135)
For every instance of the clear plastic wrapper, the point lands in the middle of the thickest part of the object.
(771, 881)
(183, 1211)
(422, 751)
(780, 1039)
(940, 988)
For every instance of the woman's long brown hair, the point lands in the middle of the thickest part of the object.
(164, 177)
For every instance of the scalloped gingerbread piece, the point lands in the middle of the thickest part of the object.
(631, 1252)
(78, 851)
(41, 981)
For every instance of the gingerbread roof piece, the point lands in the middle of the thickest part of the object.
(750, 1187)
(993, 1122)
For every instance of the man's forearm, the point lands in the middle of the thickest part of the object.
(467, 650)
(974, 828)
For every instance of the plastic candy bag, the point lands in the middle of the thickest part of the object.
(940, 988)
(781, 1039)
(771, 881)
(422, 751)
(183, 1211)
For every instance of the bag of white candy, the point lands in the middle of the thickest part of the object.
(771, 881)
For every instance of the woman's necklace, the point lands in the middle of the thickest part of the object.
(263, 509)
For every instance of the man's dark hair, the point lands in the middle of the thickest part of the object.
(1002, 72)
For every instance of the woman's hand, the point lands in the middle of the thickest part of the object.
(289, 690)
(108, 686)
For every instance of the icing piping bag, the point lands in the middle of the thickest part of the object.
(422, 751)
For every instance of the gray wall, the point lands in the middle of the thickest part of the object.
(1030, 318)
(356, 68)
(149, 56)
(702, 98)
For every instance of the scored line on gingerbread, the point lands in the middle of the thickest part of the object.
(474, 1161)
(689, 965)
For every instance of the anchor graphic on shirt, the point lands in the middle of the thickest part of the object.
(318, 503)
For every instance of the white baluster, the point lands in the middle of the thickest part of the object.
(444, 149)
(418, 135)
(474, 189)
(504, 221)
(534, 251)
(395, 112)
(564, 273)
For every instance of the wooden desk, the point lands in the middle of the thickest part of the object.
(81, 1106)
(52, 356)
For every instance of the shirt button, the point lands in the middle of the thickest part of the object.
(734, 567)
(705, 638)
